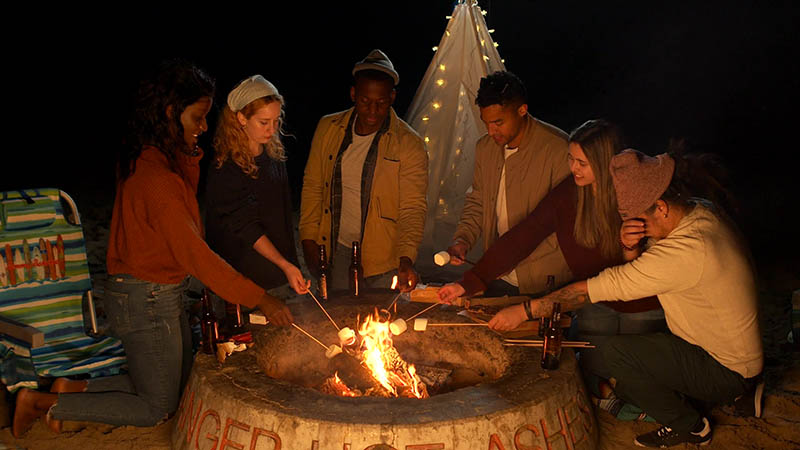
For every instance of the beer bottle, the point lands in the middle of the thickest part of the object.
(544, 322)
(551, 348)
(355, 273)
(233, 318)
(208, 326)
(323, 273)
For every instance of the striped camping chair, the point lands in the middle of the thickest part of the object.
(44, 277)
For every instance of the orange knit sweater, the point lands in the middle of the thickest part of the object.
(157, 235)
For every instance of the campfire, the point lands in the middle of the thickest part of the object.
(370, 365)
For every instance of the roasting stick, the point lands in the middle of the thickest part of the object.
(539, 341)
(423, 311)
(394, 285)
(540, 344)
(310, 336)
(458, 324)
(323, 309)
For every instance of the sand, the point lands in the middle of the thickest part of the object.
(779, 428)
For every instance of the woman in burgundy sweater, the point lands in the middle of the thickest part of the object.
(582, 211)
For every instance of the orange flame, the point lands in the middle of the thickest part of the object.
(394, 282)
(376, 339)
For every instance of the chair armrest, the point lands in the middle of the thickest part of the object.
(20, 331)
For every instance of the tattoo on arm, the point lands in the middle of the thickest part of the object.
(573, 296)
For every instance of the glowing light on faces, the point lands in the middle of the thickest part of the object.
(579, 165)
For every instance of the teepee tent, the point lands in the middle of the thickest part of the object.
(444, 113)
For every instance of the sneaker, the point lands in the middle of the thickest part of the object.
(666, 437)
(749, 404)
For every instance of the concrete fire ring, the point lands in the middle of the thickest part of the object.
(236, 405)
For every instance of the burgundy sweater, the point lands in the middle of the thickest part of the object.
(556, 213)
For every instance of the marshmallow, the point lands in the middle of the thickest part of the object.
(347, 336)
(398, 327)
(332, 351)
(441, 258)
(420, 324)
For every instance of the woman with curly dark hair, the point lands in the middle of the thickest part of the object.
(156, 242)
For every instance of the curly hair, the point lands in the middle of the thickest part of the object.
(230, 140)
(174, 85)
(597, 221)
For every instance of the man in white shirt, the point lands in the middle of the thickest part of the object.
(700, 270)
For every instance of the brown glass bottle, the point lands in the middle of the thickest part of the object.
(208, 326)
(233, 319)
(551, 349)
(544, 322)
(324, 273)
(355, 273)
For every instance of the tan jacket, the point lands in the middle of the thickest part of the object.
(538, 166)
(397, 206)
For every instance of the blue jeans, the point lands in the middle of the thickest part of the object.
(150, 320)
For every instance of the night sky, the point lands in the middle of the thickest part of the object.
(722, 76)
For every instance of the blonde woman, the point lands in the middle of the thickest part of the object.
(248, 209)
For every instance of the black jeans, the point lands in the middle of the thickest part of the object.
(660, 372)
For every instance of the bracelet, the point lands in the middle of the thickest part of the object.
(527, 305)
(630, 249)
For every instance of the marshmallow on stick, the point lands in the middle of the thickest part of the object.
(398, 327)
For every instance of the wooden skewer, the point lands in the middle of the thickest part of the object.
(310, 336)
(424, 310)
(323, 310)
(458, 324)
(539, 345)
(394, 301)
(539, 341)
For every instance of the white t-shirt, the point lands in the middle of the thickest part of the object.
(502, 213)
(352, 166)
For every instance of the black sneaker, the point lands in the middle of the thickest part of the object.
(749, 404)
(666, 437)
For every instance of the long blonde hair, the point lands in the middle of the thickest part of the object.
(230, 139)
(598, 222)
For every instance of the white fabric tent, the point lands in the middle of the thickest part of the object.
(444, 113)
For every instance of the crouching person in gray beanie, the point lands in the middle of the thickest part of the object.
(699, 267)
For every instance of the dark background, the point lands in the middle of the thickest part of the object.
(723, 76)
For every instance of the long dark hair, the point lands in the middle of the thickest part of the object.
(176, 84)
(597, 220)
(700, 175)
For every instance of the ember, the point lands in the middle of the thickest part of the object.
(377, 354)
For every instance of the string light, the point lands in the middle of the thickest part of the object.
(491, 30)
(483, 12)
(496, 44)
(440, 82)
(485, 57)
(448, 17)
(427, 139)
(503, 61)
(435, 48)
(458, 151)
(436, 105)
(441, 67)
(447, 32)
(483, 42)
(426, 118)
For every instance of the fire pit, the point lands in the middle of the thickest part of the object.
(482, 394)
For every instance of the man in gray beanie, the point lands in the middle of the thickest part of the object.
(366, 180)
(698, 267)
